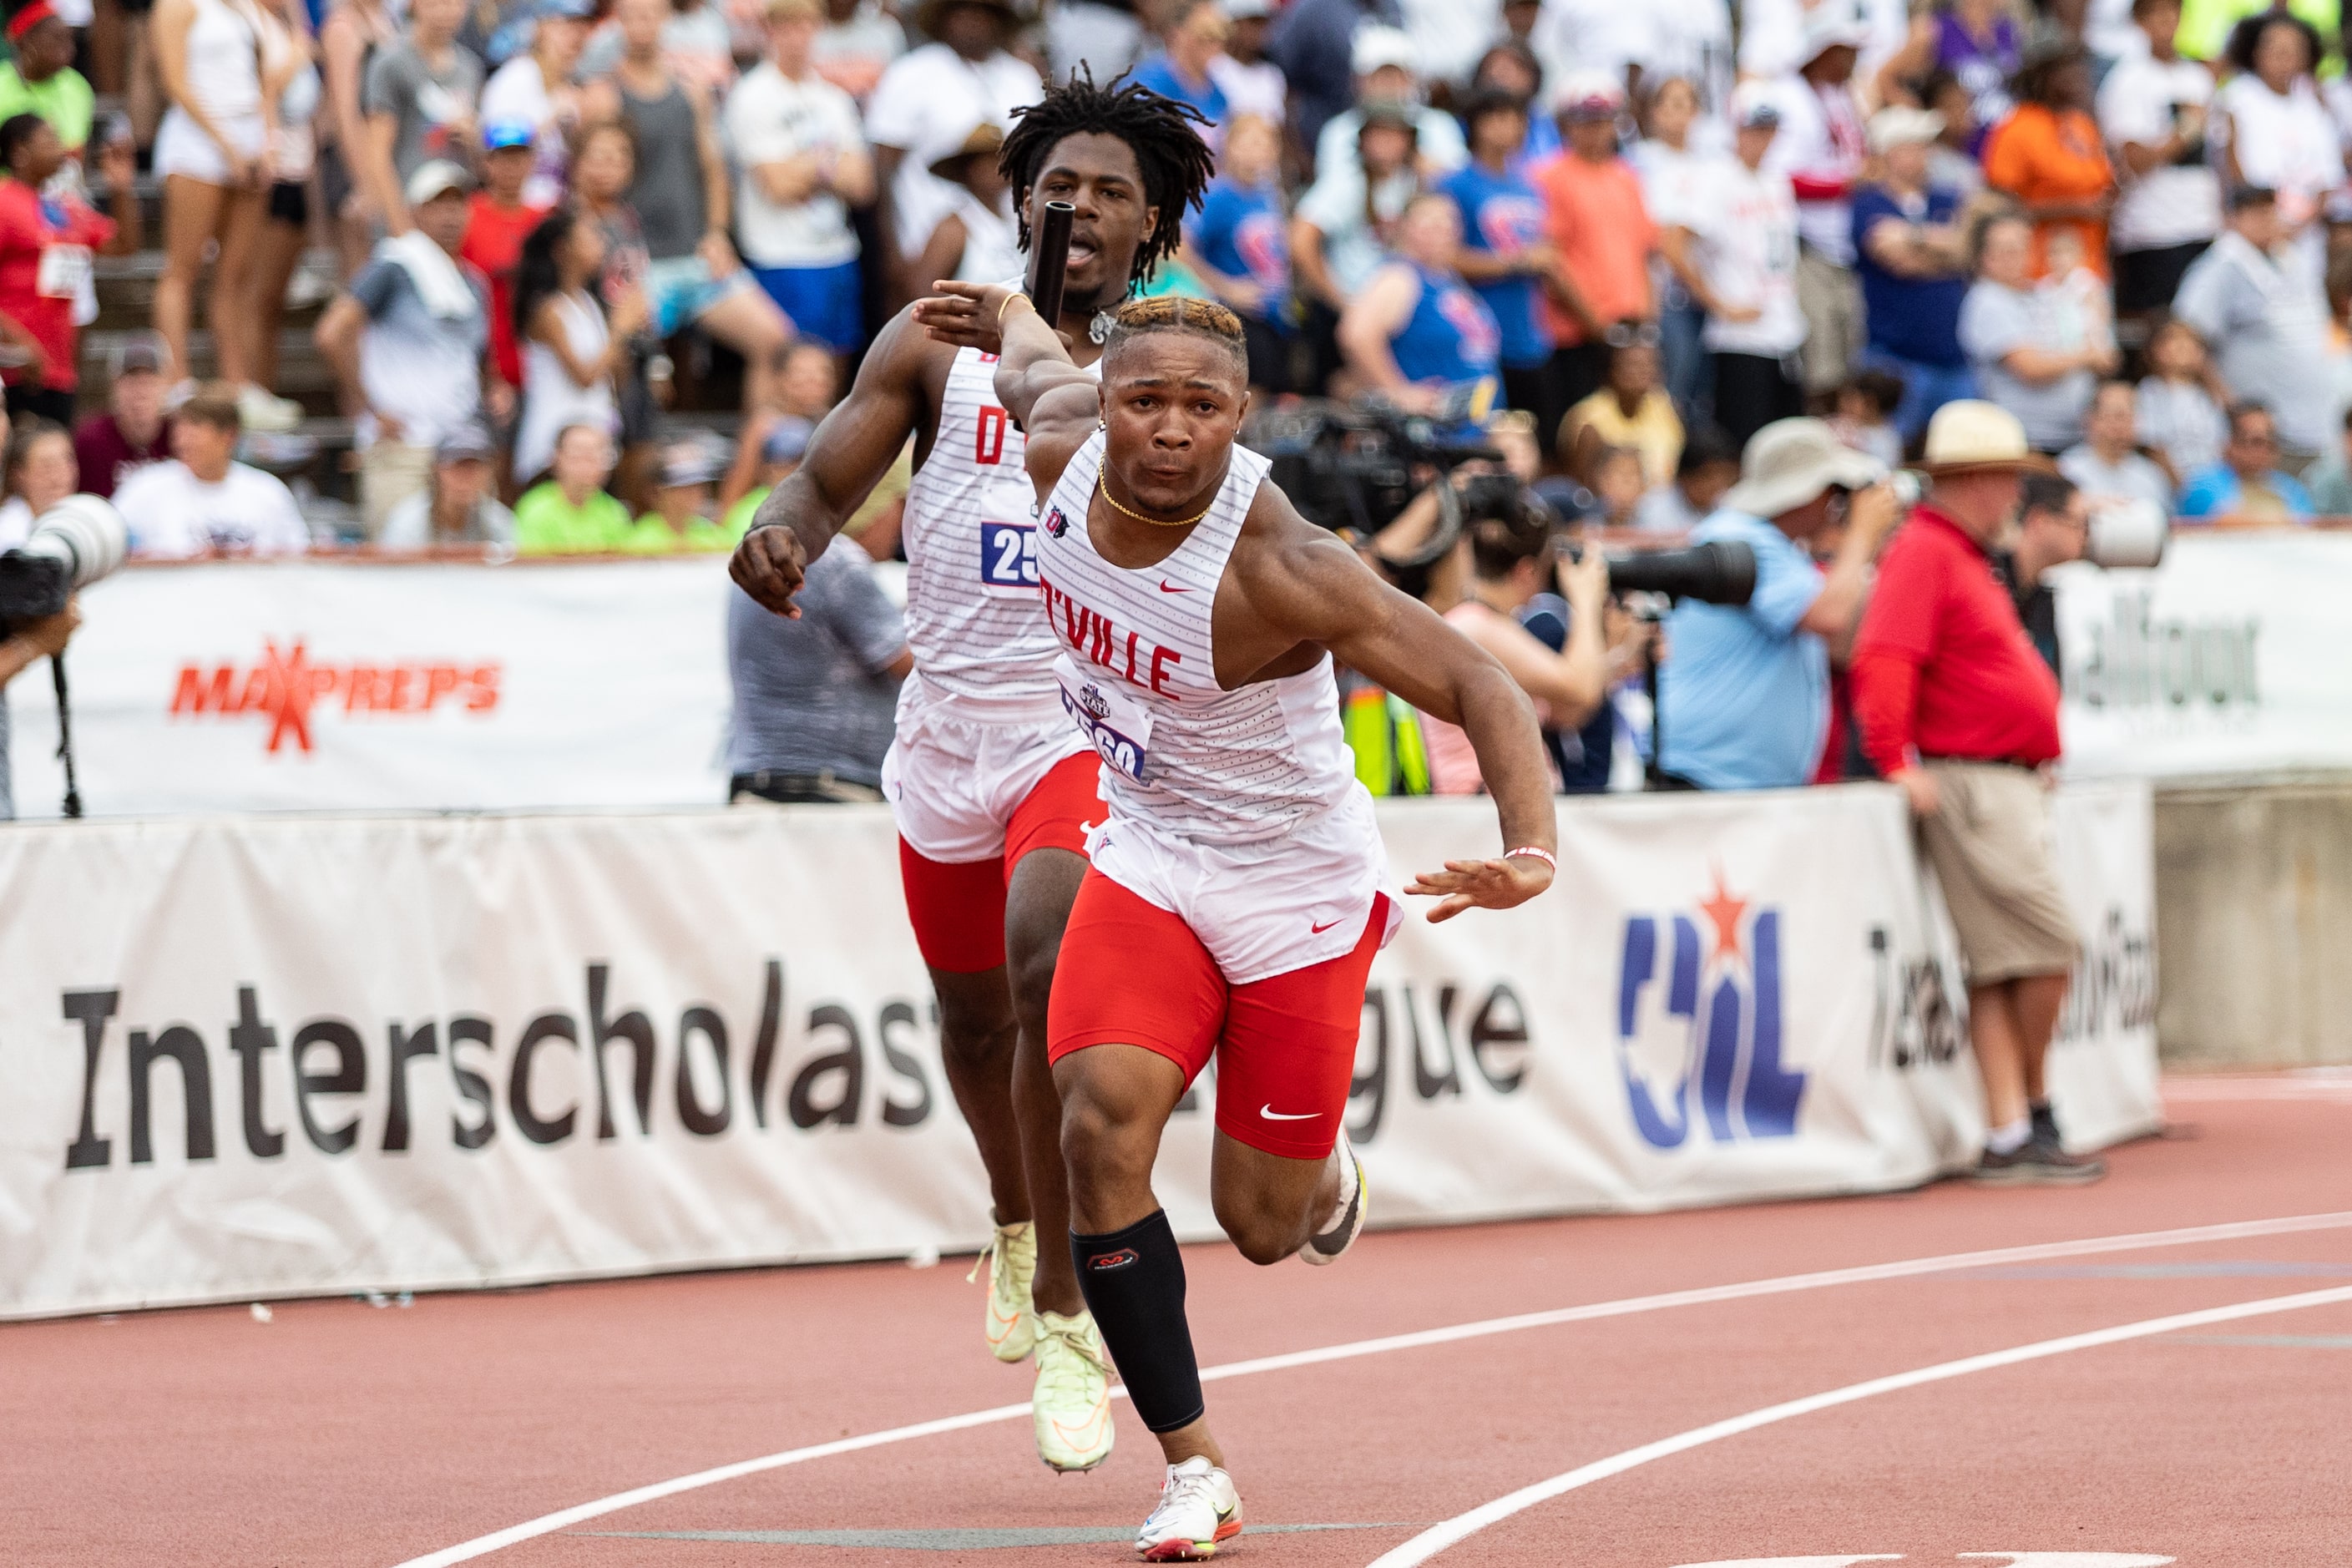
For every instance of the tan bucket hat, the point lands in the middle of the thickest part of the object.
(1790, 461)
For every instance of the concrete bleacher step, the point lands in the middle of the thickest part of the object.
(126, 288)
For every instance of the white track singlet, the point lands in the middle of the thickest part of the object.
(971, 553)
(1238, 810)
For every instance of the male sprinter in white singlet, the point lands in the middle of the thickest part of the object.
(1235, 896)
(991, 786)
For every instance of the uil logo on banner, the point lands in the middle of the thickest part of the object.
(1705, 1007)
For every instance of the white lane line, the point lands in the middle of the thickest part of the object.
(1438, 1537)
(2240, 1230)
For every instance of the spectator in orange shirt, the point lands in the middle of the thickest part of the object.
(2050, 157)
(1596, 220)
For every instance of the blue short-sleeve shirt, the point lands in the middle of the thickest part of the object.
(1744, 695)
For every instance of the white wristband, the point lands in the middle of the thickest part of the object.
(1543, 855)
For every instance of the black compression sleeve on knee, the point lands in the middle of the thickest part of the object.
(1134, 1284)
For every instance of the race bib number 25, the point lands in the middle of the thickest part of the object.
(1008, 557)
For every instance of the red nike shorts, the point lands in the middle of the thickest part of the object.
(1132, 973)
(958, 910)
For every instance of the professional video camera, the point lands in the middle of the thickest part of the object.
(1356, 467)
(73, 544)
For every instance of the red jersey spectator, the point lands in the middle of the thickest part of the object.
(498, 220)
(132, 431)
(1954, 706)
(1596, 220)
(45, 245)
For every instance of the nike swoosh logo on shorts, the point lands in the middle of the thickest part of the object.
(1327, 925)
(1271, 1114)
(1167, 587)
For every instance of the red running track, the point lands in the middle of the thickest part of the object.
(337, 1434)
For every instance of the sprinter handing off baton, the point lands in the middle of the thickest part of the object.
(1236, 892)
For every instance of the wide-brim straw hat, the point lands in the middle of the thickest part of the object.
(1790, 461)
(982, 141)
(1973, 436)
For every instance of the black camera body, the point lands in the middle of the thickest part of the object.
(32, 588)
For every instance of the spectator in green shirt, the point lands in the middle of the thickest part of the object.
(680, 522)
(41, 78)
(571, 515)
(788, 438)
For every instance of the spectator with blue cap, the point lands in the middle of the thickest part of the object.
(535, 89)
(499, 219)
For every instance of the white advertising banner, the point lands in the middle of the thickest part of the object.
(2230, 657)
(253, 1057)
(324, 686)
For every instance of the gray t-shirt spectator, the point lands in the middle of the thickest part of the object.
(811, 695)
(1997, 320)
(423, 102)
(423, 370)
(2134, 478)
(2267, 318)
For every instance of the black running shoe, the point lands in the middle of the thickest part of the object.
(2046, 1127)
(2036, 1164)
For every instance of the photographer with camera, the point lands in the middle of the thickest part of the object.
(1512, 560)
(33, 641)
(1744, 698)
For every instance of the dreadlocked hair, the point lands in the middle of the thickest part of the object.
(1176, 313)
(1176, 164)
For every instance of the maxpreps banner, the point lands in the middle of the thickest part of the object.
(2231, 657)
(279, 1057)
(280, 686)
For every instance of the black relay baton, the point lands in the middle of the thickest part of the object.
(1049, 260)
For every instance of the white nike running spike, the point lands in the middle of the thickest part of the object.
(1347, 1210)
(1198, 1509)
(1010, 1259)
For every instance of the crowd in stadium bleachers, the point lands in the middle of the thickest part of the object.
(578, 276)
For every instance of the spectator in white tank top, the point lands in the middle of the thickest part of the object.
(570, 352)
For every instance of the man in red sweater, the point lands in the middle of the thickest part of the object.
(1954, 705)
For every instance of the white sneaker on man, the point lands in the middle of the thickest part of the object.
(1345, 1220)
(1070, 1404)
(1198, 1509)
(1010, 1259)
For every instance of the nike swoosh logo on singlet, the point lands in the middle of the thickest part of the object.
(1271, 1114)
(1168, 587)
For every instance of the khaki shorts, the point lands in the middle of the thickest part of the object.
(390, 472)
(1989, 844)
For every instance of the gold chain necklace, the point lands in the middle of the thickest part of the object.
(1103, 490)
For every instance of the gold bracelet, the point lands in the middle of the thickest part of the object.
(1016, 294)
